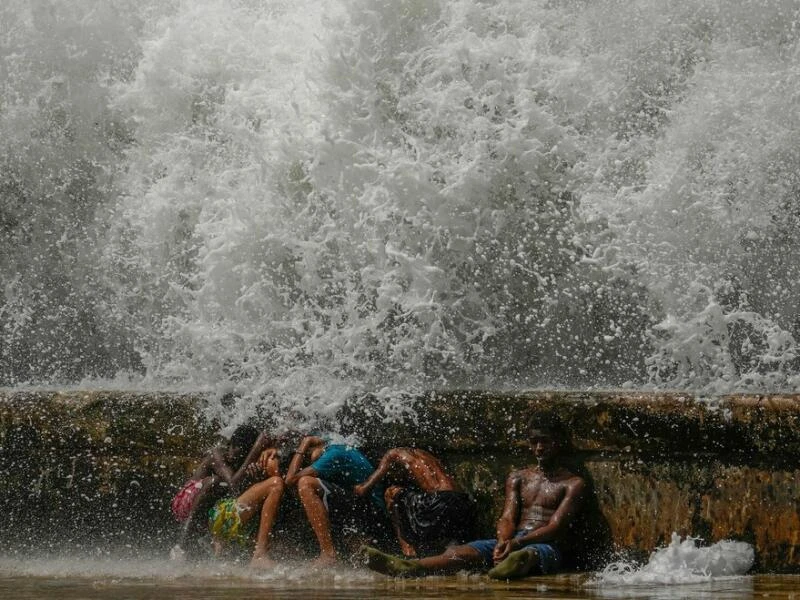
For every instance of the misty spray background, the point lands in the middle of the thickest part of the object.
(305, 201)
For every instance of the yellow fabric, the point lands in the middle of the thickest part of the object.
(225, 522)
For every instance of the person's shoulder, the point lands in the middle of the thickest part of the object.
(522, 474)
(405, 452)
(573, 480)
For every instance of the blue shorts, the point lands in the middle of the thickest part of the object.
(549, 556)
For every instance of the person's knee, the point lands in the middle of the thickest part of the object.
(308, 485)
(276, 484)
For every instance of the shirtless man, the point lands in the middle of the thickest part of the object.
(540, 502)
(427, 509)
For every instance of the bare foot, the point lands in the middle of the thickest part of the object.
(323, 561)
(261, 562)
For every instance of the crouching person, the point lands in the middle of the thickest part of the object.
(325, 487)
(427, 509)
(231, 520)
(223, 471)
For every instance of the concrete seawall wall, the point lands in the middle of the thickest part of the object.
(95, 471)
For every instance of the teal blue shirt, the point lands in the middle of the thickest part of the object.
(347, 466)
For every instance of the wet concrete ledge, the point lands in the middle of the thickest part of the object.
(95, 471)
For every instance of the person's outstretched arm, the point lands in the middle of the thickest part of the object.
(389, 459)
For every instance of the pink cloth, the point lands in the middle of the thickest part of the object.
(183, 500)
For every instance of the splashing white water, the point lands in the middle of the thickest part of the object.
(682, 562)
(160, 571)
(304, 201)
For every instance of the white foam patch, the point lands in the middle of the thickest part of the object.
(682, 562)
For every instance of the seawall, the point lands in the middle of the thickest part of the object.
(95, 471)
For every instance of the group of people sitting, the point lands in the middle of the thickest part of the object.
(340, 492)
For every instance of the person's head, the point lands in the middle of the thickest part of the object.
(241, 441)
(548, 437)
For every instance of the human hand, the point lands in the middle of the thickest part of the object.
(501, 550)
(307, 442)
(268, 462)
(359, 490)
(253, 469)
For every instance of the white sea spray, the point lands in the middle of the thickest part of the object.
(303, 202)
(683, 561)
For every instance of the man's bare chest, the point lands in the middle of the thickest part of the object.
(538, 491)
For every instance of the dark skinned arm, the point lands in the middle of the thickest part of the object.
(566, 510)
(390, 458)
(294, 472)
(507, 523)
(205, 468)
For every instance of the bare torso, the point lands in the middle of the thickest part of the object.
(424, 469)
(541, 494)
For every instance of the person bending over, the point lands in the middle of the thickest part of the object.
(223, 471)
(540, 502)
(427, 510)
(325, 487)
(231, 519)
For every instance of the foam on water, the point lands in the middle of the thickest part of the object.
(682, 562)
(213, 573)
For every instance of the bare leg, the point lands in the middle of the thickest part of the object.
(311, 491)
(451, 560)
(250, 501)
(272, 489)
(389, 495)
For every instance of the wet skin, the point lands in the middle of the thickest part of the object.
(544, 497)
(415, 466)
(410, 466)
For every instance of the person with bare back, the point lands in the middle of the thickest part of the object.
(427, 510)
(541, 501)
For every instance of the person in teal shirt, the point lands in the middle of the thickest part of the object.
(325, 487)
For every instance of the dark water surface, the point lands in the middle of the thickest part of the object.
(74, 580)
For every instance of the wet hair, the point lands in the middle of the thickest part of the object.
(243, 437)
(550, 424)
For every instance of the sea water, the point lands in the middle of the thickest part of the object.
(304, 201)
(680, 571)
(683, 561)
